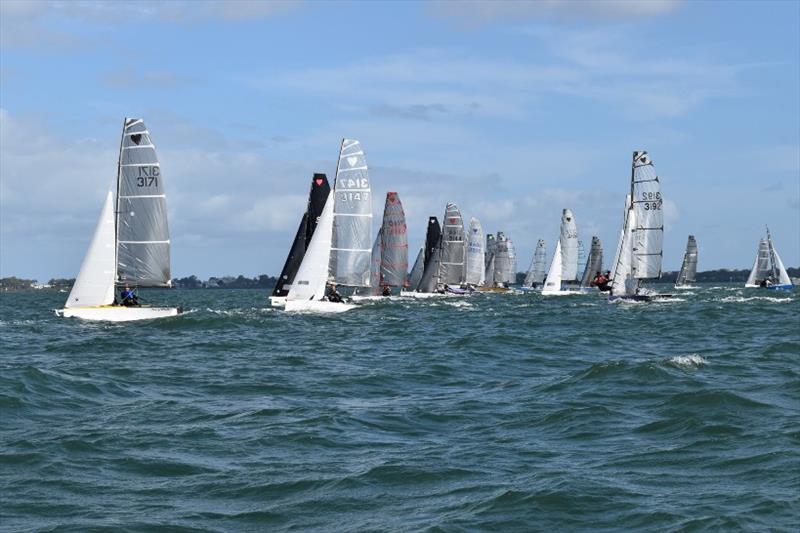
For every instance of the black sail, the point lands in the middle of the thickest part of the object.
(320, 189)
(431, 238)
(432, 253)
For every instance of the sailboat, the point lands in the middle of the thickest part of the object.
(416, 271)
(594, 265)
(339, 250)
(688, 271)
(640, 248)
(536, 272)
(475, 274)
(563, 270)
(318, 194)
(430, 260)
(768, 271)
(130, 245)
(453, 246)
(502, 264)
(389, 260)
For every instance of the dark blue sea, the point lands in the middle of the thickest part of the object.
(492, 412)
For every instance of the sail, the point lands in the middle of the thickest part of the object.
(430, 276)
(594, 263)
(552, 284)
(375, 264)
(475, 254)
(688, 271)
(432, 235)
(505, 260)
(624, 283)
(536, 272)
(351, 247)
(569, 246)
(142, 231)
(489, 247)
(779, 274)
(416, 271)
(489, 279)
(394, 243)
(308, 222)
(648, 234)
(581, 257)
(451, 269)
(621, 235)
(761, 267)
(309, 282)
(95, 282)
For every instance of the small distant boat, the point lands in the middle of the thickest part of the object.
(431, 258)
(445, 268)
(640, 248)
(476, 255)
(564, 265)
(502, 265)
(768, 271)
(339, 250)
(536, 272)
(130, 246)
(317, 196)
(389, 260)
(688, 271)
(594, 265)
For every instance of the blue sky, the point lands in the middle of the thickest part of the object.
(512, 110)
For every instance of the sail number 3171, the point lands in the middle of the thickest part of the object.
(148, 176)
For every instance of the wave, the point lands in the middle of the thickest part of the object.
(687, 361)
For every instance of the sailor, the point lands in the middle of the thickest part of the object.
(386, 291)
(334, 296)
(128, 297)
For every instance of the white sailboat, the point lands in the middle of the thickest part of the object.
(768, 271)
(688, 271)
(536, 272)
(476, 259)
(130, 246)
(640, 248)
(340, 250)
(564, 266)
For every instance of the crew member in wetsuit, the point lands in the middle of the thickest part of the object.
(333, 295)
(601, 281)
(387, 291)
(128, 297)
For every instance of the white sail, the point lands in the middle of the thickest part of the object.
(475, 254)
(451, 266)
(623, 282)
(351, 246)
(688, 271)
(761, 268)
(621, 235)
(312, 275)
(779, 274)
(569, 246)
(552, 284)
(505, 260)
(647, 203)
(95, 282)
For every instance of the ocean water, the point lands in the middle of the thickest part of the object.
(493, 412)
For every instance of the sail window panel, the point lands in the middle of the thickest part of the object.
(144, 265)
(142, 219)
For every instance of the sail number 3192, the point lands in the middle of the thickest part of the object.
(652, 201)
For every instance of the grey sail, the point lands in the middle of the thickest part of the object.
(537, 270)
(489, 247)
(416, 271)
(430, 276)
(453, 254)
(504, 260)
(688, 271)
(142, 230)
(375, 265)
(648, 232)
(594, 263)
(394, 239)
(351, 246)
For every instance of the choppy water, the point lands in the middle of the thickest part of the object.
(491, 412)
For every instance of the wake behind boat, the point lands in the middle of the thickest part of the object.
(130, 247)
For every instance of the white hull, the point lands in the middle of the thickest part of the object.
(424, 295)
(685, 287)
(316, 306)
(277, 301)
(117, 313)
(563, 293)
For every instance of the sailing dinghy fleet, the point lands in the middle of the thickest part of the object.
(333, 249)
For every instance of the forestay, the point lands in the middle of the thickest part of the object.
(647, 204)
(394, 243)
(351, 245)
(451, 270)
(688, 270)
(95, 282)
(475, 254)
(594, 263)
(142, 231)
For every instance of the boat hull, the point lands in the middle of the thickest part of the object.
(118, 313)
(786, 287)
(277, 301)
(640, 298)
(316, 306)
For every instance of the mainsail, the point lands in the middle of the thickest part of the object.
(489, 247)
(430, 275)
(95, 282)
(569, 246)
(536, 271)
(451, 266)
(430, 269)
(505, 260)
(394, 243)
(688, 271)
(475, 254)
(352, 218)
(761, 267)
(141, 223)
(375, 264)
(316, 203)
(594, 263)
(416, 271)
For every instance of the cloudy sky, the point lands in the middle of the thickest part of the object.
(512, 110)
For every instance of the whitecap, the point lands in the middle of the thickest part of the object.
(691, 360)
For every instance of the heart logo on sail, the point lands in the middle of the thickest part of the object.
(318, 181)
(352, 160)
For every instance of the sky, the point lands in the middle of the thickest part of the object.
(512, 110)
